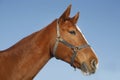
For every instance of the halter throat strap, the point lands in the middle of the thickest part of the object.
(73, 48)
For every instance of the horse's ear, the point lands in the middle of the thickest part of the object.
(66, 14)
(75, 18)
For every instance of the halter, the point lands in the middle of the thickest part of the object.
(73, 48)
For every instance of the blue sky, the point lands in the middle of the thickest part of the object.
(99, 21)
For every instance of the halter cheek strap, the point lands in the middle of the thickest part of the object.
(73, 48)
(57, 40)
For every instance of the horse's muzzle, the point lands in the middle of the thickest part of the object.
(89, 69)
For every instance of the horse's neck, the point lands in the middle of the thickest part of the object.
(23, 60)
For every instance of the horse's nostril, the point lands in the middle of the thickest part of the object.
(93, 64)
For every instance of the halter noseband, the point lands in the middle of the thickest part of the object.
(74, 48)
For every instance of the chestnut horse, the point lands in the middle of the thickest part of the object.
(61, 39)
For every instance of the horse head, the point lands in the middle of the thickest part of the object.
(71, 45)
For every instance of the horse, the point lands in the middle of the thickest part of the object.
(61, 39)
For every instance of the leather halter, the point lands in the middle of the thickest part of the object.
(73, 48)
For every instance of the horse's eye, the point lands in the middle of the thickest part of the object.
(72, 32)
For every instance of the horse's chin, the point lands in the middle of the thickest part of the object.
(86, 73)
